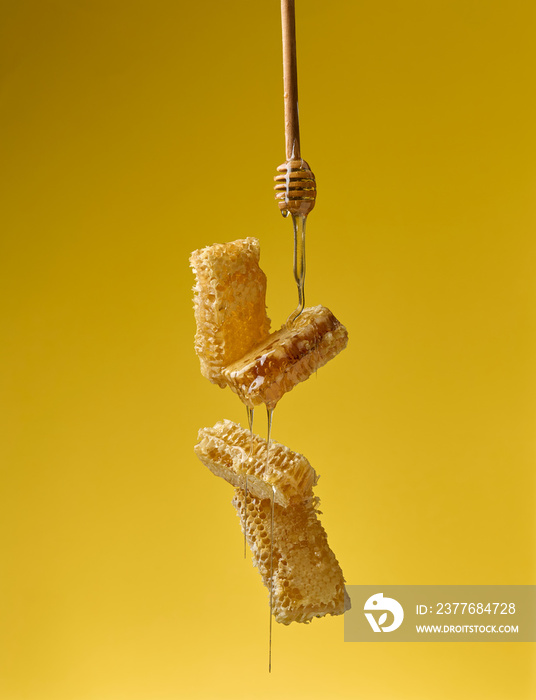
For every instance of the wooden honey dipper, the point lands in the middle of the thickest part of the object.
(295, 191)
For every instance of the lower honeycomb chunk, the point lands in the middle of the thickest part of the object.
(230, 451)
(307, 579)
(286, 357)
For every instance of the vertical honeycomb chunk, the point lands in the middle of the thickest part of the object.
(229, 304)
(307, 578)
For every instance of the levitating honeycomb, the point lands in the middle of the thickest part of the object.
(228, 451)
(307, 580)
(229, 304)
(234, 347)
(286, 357)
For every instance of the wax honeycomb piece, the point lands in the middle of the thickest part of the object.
(225, 450)
(229, 304)
(286, 357)
(307, 579)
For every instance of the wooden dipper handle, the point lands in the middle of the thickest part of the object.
(296, 186)
(290, 80)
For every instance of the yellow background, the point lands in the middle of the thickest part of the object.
(135, 132)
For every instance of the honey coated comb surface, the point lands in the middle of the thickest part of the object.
(286, 357)
(225, 450)
(307, 579)
(229, 304)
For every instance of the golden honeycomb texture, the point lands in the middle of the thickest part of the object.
(235, 348)
(229, 304)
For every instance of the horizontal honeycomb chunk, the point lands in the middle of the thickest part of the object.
(228, 451)
(229, 304)
(307, 579)
(286, 357)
